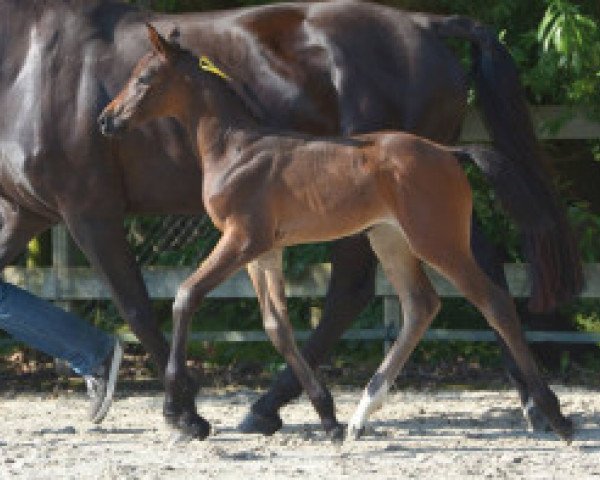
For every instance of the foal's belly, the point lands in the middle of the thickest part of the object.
(308, 227)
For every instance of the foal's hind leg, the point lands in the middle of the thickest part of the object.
(420, 304)
(488, 259)
(499, 310)
(267, 277)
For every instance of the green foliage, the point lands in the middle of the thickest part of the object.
(496, 225)
(568, 68)
(587, 315)
(587, 225)
(297, 259)
(572, 35)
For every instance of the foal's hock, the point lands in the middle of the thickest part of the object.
(267, 189)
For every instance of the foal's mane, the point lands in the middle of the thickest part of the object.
(237, 88)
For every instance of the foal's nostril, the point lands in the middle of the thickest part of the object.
(106, 124)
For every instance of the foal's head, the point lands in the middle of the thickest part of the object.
(160, 86)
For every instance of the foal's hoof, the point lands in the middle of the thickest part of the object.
(258, 423)
(190, 426)
(355, 431)
(336, 434)
(536, 420)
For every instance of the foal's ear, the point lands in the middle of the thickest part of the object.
(160, 45)
(175, 36)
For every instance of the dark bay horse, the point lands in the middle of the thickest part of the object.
(266, 189)
(322, 68)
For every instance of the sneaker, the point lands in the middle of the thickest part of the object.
(101, 386)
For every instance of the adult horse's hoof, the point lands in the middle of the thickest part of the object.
(564, 428)
(536, 420)
(258, 423)
(189, 425)
(336, 434)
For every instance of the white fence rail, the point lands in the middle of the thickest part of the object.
(80, 283)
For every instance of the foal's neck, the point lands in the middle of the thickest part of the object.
(217, 114)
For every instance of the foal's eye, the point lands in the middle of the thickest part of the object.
(144, 79)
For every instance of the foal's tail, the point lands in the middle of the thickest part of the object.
(517, 170)
(549, 247)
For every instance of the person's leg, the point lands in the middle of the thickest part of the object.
(51, 330)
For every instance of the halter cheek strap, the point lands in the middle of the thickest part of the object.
(207, 65)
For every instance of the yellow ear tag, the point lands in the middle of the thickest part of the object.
(207, 65)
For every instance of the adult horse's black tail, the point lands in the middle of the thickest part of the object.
(555, 266)
(517, 171)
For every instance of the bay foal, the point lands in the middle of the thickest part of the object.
(265, 190)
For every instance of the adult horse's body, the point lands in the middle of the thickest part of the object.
(322, 68)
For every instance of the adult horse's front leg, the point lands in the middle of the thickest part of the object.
(232, 252)
(103, 242)
(17, 227)
(266, 273)
(350, 289)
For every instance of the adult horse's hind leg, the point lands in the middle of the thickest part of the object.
(266, 273)
(420, 304)
(499, 310)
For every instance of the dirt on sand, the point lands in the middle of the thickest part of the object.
(431, 434)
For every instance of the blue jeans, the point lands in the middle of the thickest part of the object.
(52, 330)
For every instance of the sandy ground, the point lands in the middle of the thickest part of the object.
(442, 434)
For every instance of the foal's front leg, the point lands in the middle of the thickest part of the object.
(266, 274)
(231, 253)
